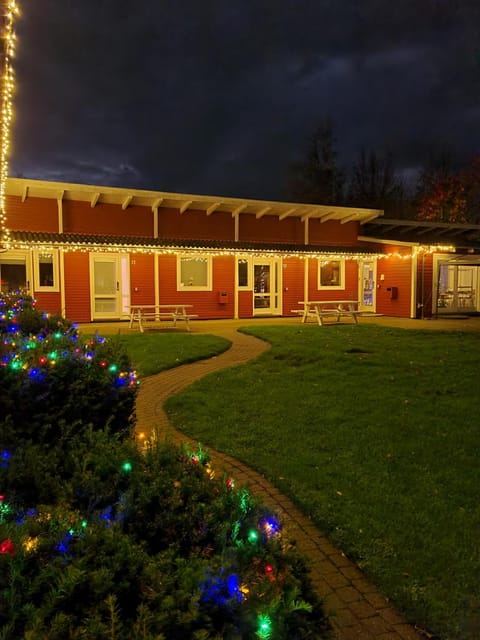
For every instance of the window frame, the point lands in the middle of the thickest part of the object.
(55, 286)
(331, 287)
(249, 285)
(183, 287)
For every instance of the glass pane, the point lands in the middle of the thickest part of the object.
(242, 273)
(194, 272)
(105, 278)
(45, 269)
(13, 275)
(105, 305)
(261, 274)
(330, 274)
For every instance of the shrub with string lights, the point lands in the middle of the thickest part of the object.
(100, 539)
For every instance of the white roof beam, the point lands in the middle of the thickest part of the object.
(213, 207)
(262, 212)
(327, 216)
(284, 215)
(238, 210)
(186, 205)
(127, 202)
(156, 203)
(94, 200)
(349, 218)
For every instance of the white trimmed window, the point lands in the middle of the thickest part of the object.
(331, 274)
(45, 269)
(194, 273)
(244, 273)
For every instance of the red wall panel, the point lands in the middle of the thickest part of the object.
(50, 302)
(107, 219)
(245, 304)
(293, 280)
(142, 278)
(333, 233)
(77, 287)
(195, 225)
(271, 229)
(397, 273)
(35, 214)
(425, 285)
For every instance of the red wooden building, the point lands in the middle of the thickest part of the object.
(89, 252)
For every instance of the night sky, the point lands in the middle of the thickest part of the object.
(219, 97)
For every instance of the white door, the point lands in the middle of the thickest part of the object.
(266, 287)
(366, 285)
(107, 286)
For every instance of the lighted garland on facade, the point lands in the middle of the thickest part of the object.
(10, 11)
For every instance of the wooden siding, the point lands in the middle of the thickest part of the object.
(271, 229)
(142, 278)
(425, 285)
(50, 302)
(77, 287)
(195, 225)
(245, 304)
(35, 214)
(105, 219)
(293, 279)
(333, 233)
(397, 273)
(205, 303)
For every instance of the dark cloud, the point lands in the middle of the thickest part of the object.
(220, 96)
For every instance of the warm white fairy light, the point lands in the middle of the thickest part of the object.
(10, 11)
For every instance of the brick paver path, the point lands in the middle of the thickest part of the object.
(357, 610)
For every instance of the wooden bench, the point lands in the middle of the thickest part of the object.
(322, 309)
(157, 312)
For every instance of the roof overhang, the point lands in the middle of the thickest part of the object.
(25, 188)
(418, 232)
(90, 242)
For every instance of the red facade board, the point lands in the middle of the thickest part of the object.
(245, 304)
(271, 229)
(107, 219)
(51, 301)
(142, 278)
(394, 291)
(77, 287)
(293, 284)
(195, 225)
(332, 233)
(35, 214)
(425, 286)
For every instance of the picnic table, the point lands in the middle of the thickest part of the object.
(319, 310)
(139, 313)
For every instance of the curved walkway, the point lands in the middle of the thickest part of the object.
(357, 610)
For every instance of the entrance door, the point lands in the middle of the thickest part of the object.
(266, 287)
(107, 285)
(366, 285)
(457, 287)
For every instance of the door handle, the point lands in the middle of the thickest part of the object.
(118, 286)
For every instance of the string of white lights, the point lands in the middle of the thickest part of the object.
(10, 10)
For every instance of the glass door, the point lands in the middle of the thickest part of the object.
(105, 286)
(457, 288)
(366, 285)
(266, 287)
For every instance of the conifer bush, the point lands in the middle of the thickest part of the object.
(102, 540)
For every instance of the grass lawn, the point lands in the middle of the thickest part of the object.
(154, 352)
(374, 432)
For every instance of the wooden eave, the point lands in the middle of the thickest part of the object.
(95, 195)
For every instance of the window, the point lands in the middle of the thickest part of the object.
(46, 270)
(331, 274)
(194, 274)
(13, 272)
(243, 273)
